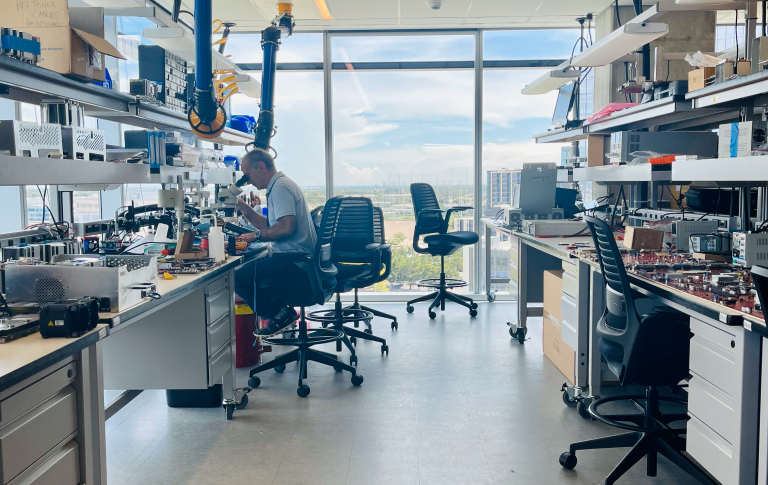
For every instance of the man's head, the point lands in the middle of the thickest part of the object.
(259, 166)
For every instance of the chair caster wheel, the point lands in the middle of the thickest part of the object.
(230, 408)
(243, 402)
(432, 315)
(303, 390)
(338, 368)
(474, 306)
(409, 309)
(385, 348)
(569, 401)
(254, 382)
(353, 340)
(280, 369)
(357, 379)
(353, 360)
(518, 333)
(473, 313)
(568, 460)
(583, 409)
(394, 325)
(368, 331)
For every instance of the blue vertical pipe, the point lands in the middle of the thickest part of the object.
(203, 40)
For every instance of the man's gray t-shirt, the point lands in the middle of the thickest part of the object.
(285, 198)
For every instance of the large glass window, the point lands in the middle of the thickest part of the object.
(391, 129)
(299, 115)
(530, 44)
(403, 48)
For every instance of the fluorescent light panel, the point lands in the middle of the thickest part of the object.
(551, 80)
(625, 39)
(323, 8)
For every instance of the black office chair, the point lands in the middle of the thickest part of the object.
(357, 257)
(386, 262)
(316, 289)
(643, 343)
(431, 224)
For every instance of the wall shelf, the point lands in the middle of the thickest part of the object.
(49, 171)
(561, 135)
(741, 169)
(737, 89)
(621, 174)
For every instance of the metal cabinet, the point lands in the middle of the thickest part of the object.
(38, 423)
(574, 306)
(723, 401)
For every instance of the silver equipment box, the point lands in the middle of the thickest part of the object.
(80, 143)
(30, 139)
(119, 278)
(512, 217)
(555, 228)
(535, 194)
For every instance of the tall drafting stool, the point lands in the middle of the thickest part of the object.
(357, 258)
(643, 343)
(316, 289)
(431, 224)
(386, 263)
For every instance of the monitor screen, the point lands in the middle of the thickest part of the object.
(563, 106)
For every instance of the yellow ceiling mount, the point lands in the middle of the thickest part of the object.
(284, 8)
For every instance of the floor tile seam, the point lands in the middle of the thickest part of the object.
(151, 453)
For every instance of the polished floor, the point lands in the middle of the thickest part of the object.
(455, 402)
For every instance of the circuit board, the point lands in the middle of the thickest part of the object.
(720, 282)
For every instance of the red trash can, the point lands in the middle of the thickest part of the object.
(246, 353)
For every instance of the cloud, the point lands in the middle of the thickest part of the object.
(363, 174)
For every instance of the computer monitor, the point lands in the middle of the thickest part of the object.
(564, 104)
(566, 200)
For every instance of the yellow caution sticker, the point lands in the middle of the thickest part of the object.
(243, 309)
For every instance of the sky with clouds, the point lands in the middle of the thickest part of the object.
(392, 126)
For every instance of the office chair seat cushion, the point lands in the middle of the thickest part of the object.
(459, 238)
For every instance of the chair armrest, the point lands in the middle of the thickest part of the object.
(385, 247)
(460, 208)
(372, 247)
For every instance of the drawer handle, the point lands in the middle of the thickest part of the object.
(70, 373)
(733, 344)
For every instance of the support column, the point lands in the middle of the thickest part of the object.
(328, 109)
(478, 159)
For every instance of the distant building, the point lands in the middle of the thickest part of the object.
(500, 183)
(499, 263)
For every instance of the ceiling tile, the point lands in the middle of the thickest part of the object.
(449, 9)
(364, 9)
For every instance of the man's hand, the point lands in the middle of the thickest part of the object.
(250, 237)
(241, 204)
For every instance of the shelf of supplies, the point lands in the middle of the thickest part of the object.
(561, 136)
(621, 174)
(653, 113)
(741, 169)
(150, 116)
(49, 171)
(733, 90)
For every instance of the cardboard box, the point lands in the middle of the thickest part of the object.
(637, 238)
(185, 249)
(557, 351)
(553, 291)
(71, 40)
(595, 151)
(698, 77)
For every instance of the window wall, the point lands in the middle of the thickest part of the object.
(402, 109)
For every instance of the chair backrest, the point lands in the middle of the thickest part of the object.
(354, 230)
(326, 232)
(620, 322)
(378, 226)
(424, 198)
(760, 280)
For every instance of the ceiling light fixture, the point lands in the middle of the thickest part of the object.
(323, 8)
(435, 4)
(552, 80)
(625, 39)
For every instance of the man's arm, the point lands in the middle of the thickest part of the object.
(257, 220)
(285, 227)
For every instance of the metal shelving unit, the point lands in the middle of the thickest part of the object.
(738, 89)
(735, 170)
(561, 135)
(51, 171)
(33, 84)
(622, 174)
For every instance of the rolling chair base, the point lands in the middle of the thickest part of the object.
(376, 313)
(442, 294)
(338, 317)
(303, 354)
(651, 436)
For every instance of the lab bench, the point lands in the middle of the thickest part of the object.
(725, 360)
